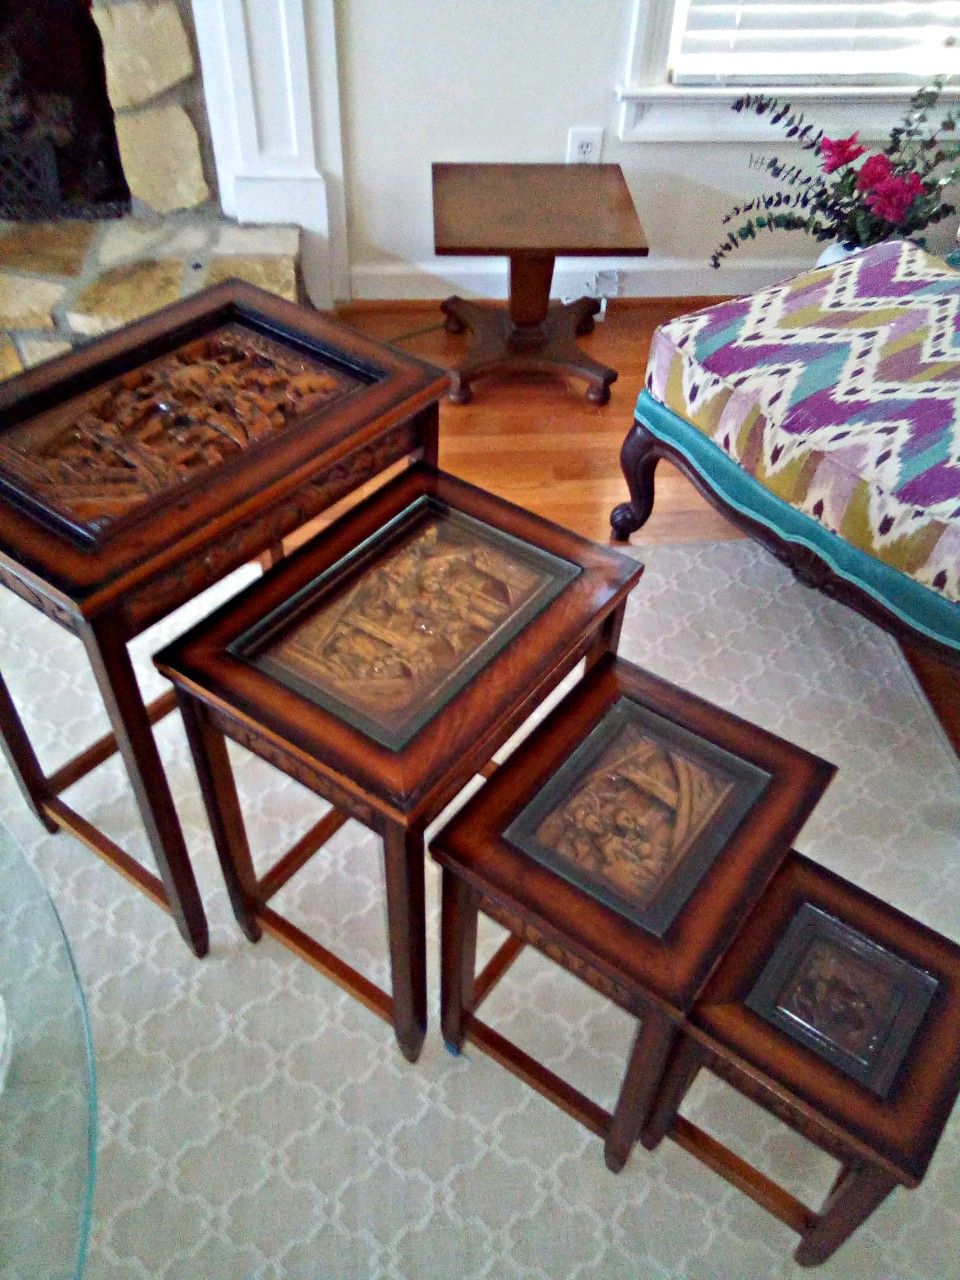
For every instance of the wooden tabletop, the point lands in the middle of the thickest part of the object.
(98, 526)
(481, 843)
(534, 210)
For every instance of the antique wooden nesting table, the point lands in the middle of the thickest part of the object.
(628, 839)
(138, 471)
(842, 1016)
(382, 665)
(532, 213)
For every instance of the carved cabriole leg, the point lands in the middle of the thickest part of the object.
(219, 791)
(22, 758)
(854, 1197)
(651, 1046)
(638, 461)
(406, 923)
(685, 1061)
(458, 957)
(128, 718)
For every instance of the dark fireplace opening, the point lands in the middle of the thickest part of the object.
(59, 156)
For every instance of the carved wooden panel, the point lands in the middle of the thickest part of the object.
(386, 637)
(101, 458)
(836, 992)
(638, 813)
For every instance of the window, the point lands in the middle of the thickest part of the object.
(811, 41)
(687, 58)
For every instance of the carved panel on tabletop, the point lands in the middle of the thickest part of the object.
(96, 460)
(388, 635)
(638, 813)
(838, 993)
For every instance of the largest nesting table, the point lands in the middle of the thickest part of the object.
(139, 471)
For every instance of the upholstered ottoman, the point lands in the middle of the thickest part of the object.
(823, 416)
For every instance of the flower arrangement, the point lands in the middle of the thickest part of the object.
(898, 190)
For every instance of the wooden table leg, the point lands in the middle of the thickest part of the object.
(458, 956)
(115, 678)
(22, 758)
(651, 1046)
(219, 790)
(530, 279)
(687, 1059)
(855, 1195)
(403, 855)
(638, 462)
(608, 637)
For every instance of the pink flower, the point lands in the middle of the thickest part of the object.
(874, 171)
(839, 151)
(892, 198)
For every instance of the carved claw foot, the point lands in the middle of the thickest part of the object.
(624, 520)
(598, 394)
(453, 325)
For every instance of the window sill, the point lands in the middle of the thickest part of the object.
(664, 113)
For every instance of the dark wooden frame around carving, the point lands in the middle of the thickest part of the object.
(654, 977)
(880, 1141)
(395, 791)
(641, 452)
(187, 541)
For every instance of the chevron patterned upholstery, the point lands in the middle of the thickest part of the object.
(839, 391)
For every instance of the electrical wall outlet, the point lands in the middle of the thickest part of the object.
(584, 146)
(609, 284)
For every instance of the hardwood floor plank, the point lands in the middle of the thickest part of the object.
(536, 441)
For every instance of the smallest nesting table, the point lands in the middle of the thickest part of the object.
(382, 665)
(842, 1016)
(628, 839)
(532, 213)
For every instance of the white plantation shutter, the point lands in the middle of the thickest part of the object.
(813, 41)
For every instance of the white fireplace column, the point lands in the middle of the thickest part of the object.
(270, 81)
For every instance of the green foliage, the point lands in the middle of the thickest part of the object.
(829, 205)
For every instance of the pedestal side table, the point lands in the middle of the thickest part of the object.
(138, 471)
(382, 665)
(532, 213)
(627, 838)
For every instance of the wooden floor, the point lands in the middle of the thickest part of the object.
(537, 442)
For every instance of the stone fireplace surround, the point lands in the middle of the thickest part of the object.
(269, 85)
(157, 96)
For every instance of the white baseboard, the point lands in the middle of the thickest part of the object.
(640, 278)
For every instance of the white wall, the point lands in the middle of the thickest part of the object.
(502, 80)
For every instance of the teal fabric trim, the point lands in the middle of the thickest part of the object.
(917, 605)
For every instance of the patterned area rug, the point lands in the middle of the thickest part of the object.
(256, 1122)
